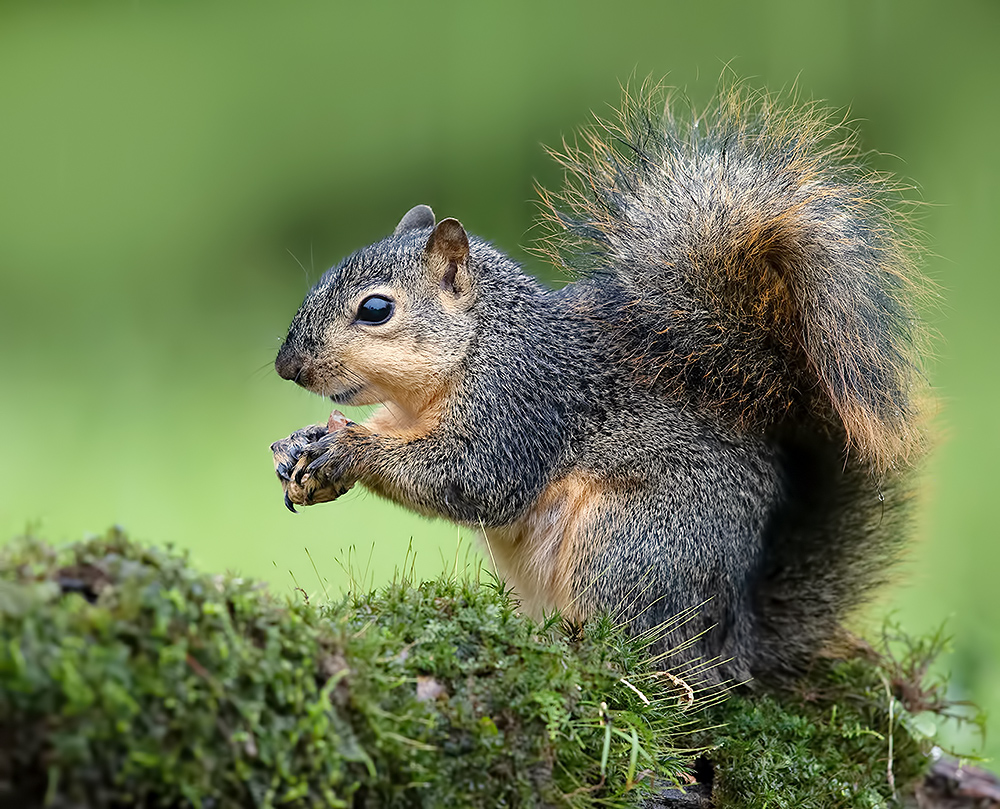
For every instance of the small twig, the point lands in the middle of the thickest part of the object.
(888, 767)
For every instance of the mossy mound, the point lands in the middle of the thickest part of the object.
(128, 679)
(844, 741)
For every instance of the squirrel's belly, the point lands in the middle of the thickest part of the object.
(538, 553)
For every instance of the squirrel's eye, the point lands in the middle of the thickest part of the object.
(375, 310)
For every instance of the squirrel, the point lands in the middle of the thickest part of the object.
(708, 433)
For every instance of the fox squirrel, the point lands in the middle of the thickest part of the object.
(710, 426)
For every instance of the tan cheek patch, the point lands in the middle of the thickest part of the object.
(395, 366)
(413, 386)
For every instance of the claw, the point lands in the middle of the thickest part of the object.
(288, 504)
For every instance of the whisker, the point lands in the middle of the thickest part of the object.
(305, 272)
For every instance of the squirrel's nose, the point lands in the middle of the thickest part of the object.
(288, 363)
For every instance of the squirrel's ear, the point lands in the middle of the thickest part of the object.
(417, 218)
(447, 255)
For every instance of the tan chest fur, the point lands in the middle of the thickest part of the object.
(399, 422)
(405, 424)
(539, 553)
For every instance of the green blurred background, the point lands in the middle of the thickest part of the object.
(174, 175)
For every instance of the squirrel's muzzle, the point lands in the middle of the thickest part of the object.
(289, 364)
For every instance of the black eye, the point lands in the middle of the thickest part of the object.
(375, 310)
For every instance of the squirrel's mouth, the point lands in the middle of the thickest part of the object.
(345, 397)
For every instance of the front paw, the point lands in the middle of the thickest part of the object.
(287, 450)
(326, 468)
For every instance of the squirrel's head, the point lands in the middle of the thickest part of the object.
(390, 323)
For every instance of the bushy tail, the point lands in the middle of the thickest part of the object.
(769, 269)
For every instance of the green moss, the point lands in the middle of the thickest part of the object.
(129, 679)
(842, 740)
(156, 685)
